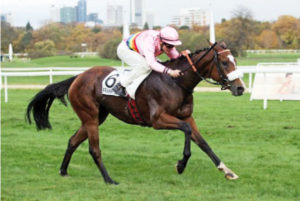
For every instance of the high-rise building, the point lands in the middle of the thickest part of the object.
(191, 16)
(6, 17)
(67, 14)
(150, 19)
(137, 13)
(81, 11)
(114, 15)
(93, 17)
(54, 13)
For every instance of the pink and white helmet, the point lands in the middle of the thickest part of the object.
(170, 36)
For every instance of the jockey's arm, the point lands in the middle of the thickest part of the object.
(154, 65)
(149, 53)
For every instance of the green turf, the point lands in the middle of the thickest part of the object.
(62, 61)
(254, 59)
(261, 146)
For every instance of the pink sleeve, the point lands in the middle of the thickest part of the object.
(149, 53)
(173, 53)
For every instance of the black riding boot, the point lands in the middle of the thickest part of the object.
(120, 90)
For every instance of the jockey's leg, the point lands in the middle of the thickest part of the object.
(136, 61)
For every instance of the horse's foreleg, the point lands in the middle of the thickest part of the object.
(95, 152)
(74, 142)
(166, 121)
(198, 139)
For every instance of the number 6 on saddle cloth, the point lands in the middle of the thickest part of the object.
(112, 79)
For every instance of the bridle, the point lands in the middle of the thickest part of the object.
(225, 82)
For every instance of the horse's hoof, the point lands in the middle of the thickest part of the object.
(112, 182)
(179, 168)
(231, 176)
(63, 173)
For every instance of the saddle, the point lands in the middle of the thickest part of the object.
(113, 78)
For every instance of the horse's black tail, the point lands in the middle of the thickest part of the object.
(42, 101)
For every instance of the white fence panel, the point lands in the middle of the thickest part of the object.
(56, 71)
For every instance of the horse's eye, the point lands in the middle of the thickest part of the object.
(225, 63)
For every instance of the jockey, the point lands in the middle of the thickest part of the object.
(140, 51)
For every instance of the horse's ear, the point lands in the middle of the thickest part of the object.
(223, 45)
(210, 43)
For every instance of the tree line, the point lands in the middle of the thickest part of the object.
(240, 33)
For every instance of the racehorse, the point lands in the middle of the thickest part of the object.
(163, 103)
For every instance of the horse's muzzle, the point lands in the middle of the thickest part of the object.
(237, 90)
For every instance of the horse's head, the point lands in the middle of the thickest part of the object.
(224, 70)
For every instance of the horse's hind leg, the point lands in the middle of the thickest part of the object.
(79, 136)
(92, 129)
(198, 139)
(74, 142)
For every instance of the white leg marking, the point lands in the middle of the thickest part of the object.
(229, 174)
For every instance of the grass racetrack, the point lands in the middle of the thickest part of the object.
(261, 146)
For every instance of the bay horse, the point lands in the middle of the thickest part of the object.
(163, 103)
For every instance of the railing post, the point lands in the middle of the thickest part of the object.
(0, 81)
(250, 82)
(5, 89)
(50, 75)
(265, 103)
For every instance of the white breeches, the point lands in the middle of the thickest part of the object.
(136, 61)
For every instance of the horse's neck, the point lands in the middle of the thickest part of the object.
(190, 79)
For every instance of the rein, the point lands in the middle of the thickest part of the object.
(215, 59)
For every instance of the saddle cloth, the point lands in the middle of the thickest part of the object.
(113, 78)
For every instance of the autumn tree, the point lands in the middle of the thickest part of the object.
(44, 48)
(55, 32)
(28, 27)
(267, 40)
(288, 28)
(8, 35)
(78, 35)
(109, 49)
(146, 26)
(238, 32)
(22, 42)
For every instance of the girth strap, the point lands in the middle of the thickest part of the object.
(135, 112)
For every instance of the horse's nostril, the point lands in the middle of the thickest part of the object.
(240, 90)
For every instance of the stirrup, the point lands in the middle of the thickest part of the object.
(120, 90)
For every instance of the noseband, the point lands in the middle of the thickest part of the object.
(224, 79)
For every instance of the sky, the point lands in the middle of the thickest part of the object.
(38, 11)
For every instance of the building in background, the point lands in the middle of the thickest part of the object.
(54, 13)
(6, 17)
(68, 14)
(93, 17)
(191, 16)
(81, 14)
(114, 15)
(93, 20)
(137, 13)
(150, 19)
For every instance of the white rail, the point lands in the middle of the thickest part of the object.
(56, 71)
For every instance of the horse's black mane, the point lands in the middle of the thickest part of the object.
(183, 58)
